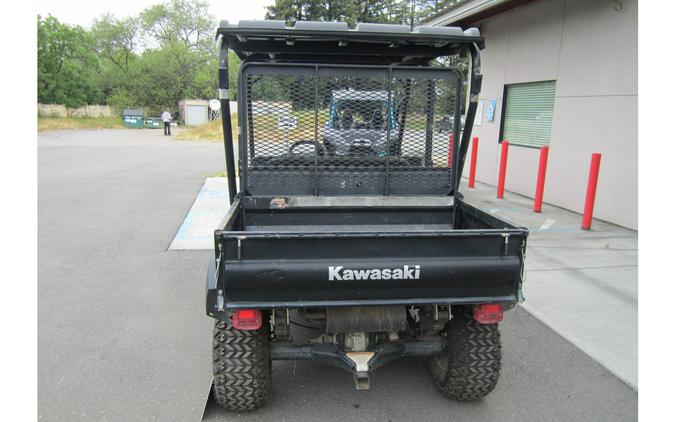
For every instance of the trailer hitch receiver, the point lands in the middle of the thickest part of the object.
(361, 360)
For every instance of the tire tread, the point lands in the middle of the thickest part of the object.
(470, 368)
(241, 367)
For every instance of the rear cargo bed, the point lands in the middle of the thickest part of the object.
(347, 219)
(335, 228)
(300, 257)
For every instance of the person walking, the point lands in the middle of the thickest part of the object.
(166, 118)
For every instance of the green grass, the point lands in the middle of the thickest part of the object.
(265, 127)
(63, 123)
(211, 131)
(416, 122)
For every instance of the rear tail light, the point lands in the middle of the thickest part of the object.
(247, 319)
(488, 313)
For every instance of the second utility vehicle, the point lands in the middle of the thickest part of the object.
(347, 240)
(358, 123)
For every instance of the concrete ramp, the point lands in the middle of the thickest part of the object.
(206, 213)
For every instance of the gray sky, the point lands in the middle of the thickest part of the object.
(83, 13)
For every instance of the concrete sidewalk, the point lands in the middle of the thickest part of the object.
(583, 284)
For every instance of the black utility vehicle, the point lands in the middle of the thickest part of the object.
(358, 250)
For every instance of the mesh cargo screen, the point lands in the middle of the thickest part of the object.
(331, 130)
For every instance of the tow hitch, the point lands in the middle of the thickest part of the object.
(361, 360)
(360, 364)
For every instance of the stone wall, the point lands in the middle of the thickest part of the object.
(60, 110)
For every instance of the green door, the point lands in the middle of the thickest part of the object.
(529, 113)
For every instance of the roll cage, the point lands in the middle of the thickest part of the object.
(267, 47)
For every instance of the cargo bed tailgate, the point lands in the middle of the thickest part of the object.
(288, 270)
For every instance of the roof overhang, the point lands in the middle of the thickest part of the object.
(471, 12)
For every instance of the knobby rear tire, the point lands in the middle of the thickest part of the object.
(242, 367)
(470, 368)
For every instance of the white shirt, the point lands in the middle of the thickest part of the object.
(166, 117)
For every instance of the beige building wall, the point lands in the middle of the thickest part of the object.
(590, 49)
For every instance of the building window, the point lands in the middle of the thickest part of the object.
(528, 113)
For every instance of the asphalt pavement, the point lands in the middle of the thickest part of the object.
(123, 335)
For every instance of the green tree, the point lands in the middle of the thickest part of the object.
(179, 60)
(163, 76)
(355, 11)
(66, 64)
(350, 11)
(233, 62)
(116, 39)
(168, 51)
(186, 22)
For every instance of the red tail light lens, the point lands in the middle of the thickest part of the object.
(488, 313)
(247, 319)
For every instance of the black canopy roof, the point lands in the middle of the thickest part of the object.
(337, 43)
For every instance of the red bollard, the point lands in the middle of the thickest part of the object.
(450, 147)
(474, 157)
(502, 169)
(541, 177)
(590, 191)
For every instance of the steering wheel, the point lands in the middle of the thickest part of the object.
(320, 149)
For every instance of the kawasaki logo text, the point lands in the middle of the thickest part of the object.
(407, 272)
